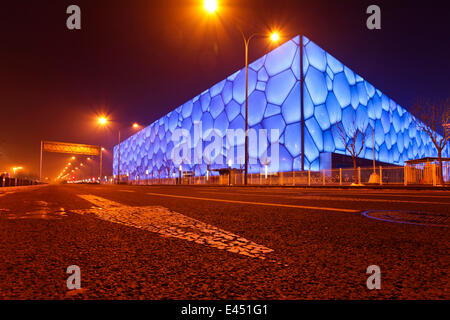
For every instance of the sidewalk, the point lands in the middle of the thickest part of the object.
(18, 188)
(372, 187)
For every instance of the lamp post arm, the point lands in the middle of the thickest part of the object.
(118, 163)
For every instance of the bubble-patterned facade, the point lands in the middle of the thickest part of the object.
(332, 93)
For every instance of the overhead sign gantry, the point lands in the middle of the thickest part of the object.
(71, 148)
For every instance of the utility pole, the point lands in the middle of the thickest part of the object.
(118, 163)
(40, 163)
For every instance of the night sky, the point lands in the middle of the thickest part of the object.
(137, 60)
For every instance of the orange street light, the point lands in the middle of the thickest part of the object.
(135, 126)
(274, 37)
(16, 168)
(102, 120)
(211, 6)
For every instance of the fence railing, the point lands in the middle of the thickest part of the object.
(15, 182)
(327, 177)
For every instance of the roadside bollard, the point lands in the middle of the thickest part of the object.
(359, 175)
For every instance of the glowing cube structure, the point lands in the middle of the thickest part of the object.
(332, 93)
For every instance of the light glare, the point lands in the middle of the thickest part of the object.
(275, 37)
(102, 120)
(211, 6)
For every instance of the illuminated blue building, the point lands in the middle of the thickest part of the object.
(332, 93)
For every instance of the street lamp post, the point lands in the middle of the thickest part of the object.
(274, 37)
(211, 6)
(246, 43)
(15, 169)
(101, 164)
(103, 121)
(118, 162)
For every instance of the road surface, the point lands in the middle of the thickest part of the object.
(186, 242)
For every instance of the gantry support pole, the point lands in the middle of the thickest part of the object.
(40, 163)
(100, 163)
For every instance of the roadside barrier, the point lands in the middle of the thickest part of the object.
(15, 182)
(380, 175)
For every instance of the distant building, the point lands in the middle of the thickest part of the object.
(332, 93)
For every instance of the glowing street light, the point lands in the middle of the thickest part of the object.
(211, 6)
(16, 168)
(102, 120)
(274, 37)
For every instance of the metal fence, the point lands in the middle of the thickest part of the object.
(15, 182)
(328, 177)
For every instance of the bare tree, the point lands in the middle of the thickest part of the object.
(350, 137)
(433, 118)
(168, 164)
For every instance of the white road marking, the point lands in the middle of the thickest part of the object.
(306, 197)
(168, 223)
(281, 205)
(338, 197)
(404, 195)
(128, 190)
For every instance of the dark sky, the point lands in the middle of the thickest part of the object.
(136, 60)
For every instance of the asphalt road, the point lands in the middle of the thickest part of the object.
(185, 242)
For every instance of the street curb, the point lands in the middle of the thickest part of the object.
(388, 187)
